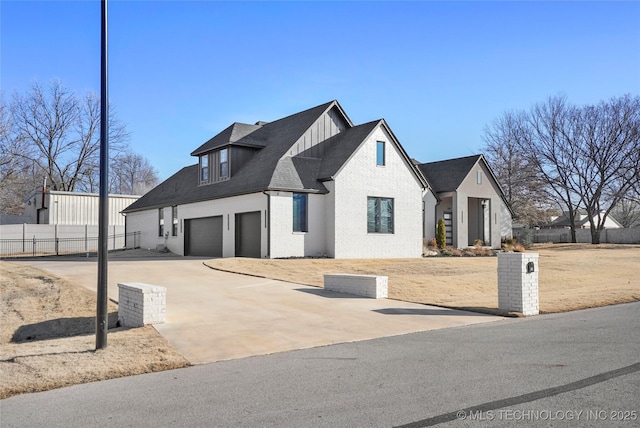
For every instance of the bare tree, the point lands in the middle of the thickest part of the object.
(524, 190)
(132, 174)
(586, 157)
(627, 213)
(16, 173)
(51, 133)
(607, 137)
(62, 133)
(552, 150)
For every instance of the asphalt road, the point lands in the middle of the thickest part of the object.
(574, 369)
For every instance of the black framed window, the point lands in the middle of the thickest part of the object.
(300, 203)
(174, 220)
(223, 169)
(379, 215)
(204, 168)
(160, 221)
(214, 166)
(380, 160)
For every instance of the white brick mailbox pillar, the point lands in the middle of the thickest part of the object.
(141, 304)
(518, 283)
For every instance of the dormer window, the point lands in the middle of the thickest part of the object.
(214, 166)
(224, 164)
(204, 168)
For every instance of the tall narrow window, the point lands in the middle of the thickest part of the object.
(380, 153)
(204, 168)
(224, 164)
(379, 215)
(160, 221)
(300, 212)
(174, 220)
(479, 177)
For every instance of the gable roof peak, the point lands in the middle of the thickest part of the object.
(456, 160)
(231, 134)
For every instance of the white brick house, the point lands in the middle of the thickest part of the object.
(307, 185)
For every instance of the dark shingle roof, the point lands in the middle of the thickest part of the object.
(269, 168)
(233, 134)
(447, 175)
(339, 148)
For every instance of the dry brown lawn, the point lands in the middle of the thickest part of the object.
(47, 336)
(571, 276)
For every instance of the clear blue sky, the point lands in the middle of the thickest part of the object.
(438, 72)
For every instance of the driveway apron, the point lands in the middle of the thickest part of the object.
(213, 315)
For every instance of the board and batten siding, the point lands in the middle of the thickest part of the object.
(326, 126)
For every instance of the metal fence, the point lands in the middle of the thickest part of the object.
(37, 247)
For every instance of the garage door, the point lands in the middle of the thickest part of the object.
(203, 236)
(248, 234)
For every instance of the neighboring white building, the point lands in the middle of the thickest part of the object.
(581, 221)
(308, 185)
(70, 208)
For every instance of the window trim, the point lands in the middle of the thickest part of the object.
(161, 222)
(378, 225)
(221, 164)
(381, 155)
(204, 169)
(302, 225)
(174, 220)
(215, 166)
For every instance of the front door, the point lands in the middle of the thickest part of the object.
(448, 226)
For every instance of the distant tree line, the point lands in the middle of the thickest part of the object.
(50, 132)
(559, 156)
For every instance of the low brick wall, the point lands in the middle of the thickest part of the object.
(141, 304)
(518, 283)
(360, 285)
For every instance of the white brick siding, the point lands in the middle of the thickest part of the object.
(287, 243)
(361, 178)
(337, 221)
(147, 222)
(517, 289)
(372, 286)
(141, 304)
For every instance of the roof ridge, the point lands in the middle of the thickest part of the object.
(477, 156)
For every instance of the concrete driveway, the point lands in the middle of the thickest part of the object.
(213, 315)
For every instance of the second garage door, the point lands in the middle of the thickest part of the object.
(248, 234)
(203, 236)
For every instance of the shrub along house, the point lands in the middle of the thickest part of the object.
(469, 199)
(310, 184)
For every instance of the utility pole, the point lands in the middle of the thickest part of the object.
(102, 315)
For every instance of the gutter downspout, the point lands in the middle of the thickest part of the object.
(268, 222)
(42, 205)
(435, 215)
